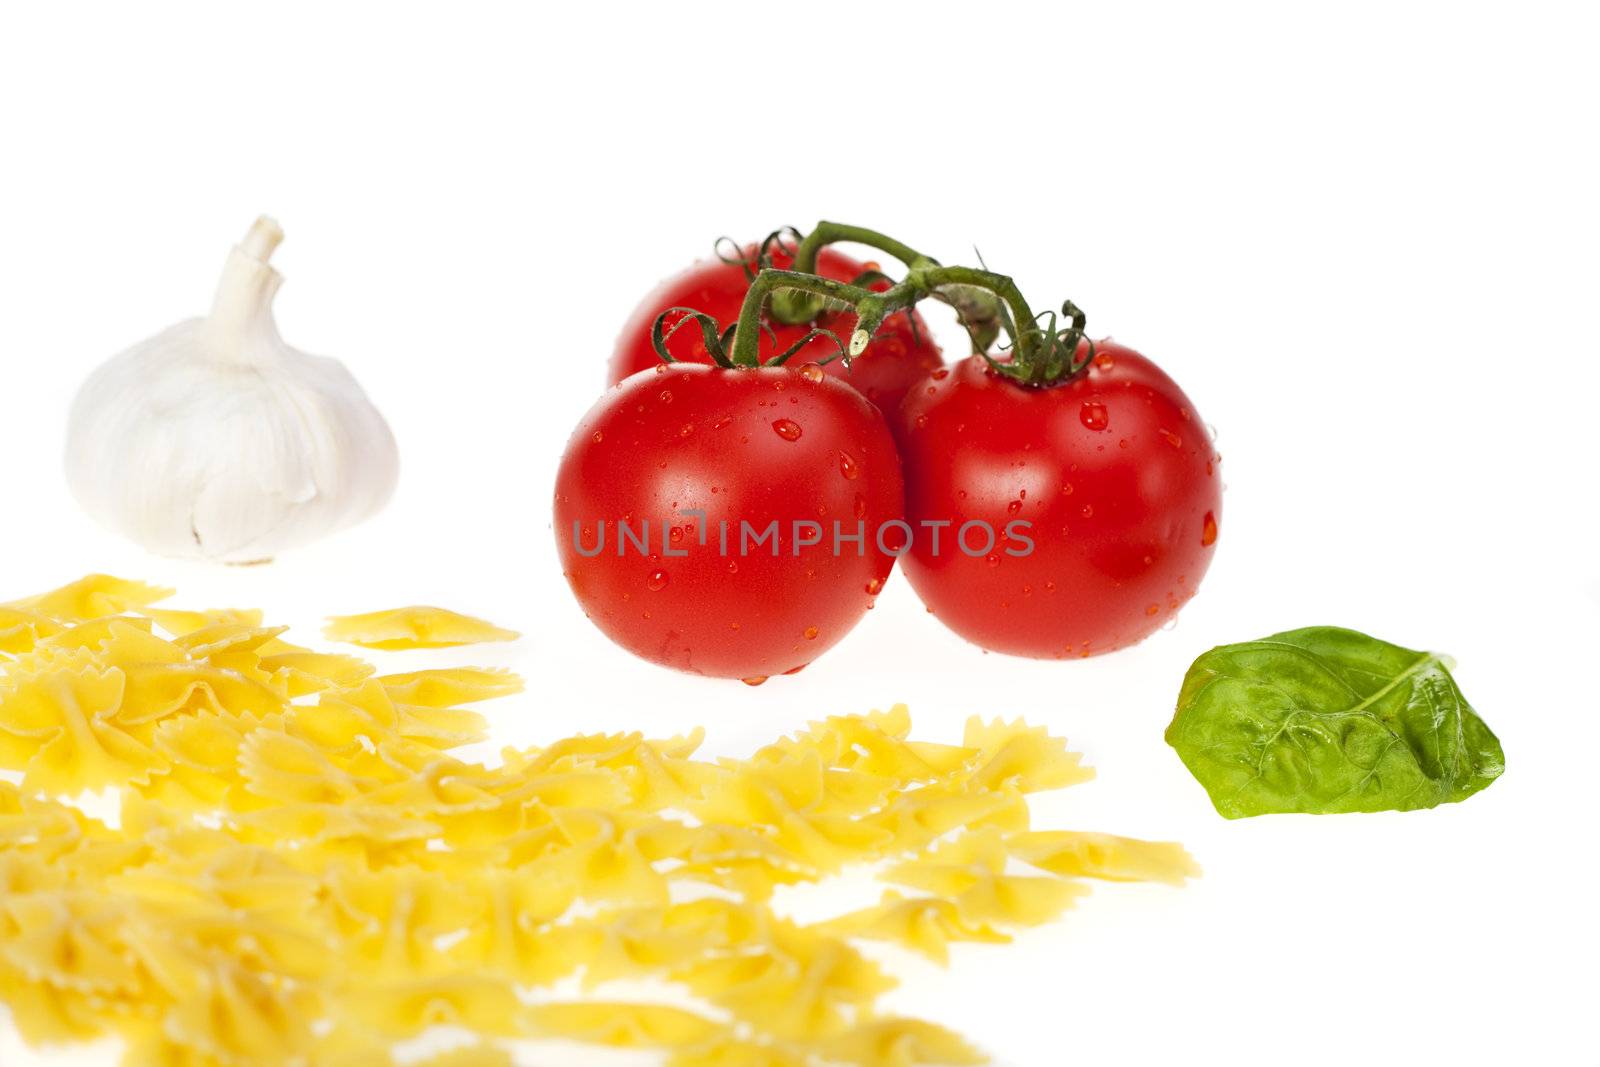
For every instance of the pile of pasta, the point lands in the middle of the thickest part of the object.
(301, 873)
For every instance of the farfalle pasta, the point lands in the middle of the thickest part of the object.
(303, 873)
(418, 626)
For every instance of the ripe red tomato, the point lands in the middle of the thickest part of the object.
(790, 451)
(899, 356)
(1113, 470)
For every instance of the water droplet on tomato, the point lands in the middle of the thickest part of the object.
(733, 566)
(848, 466)
(811, 372)
(941, 374)
(661, 368)
(733, 626)
(666, 396)
(1066, 488)
(796, 670)
(598, 437)
(1104, 361)
(656, 581)
(811, 633)
(1171, 438)
(754, 679)
(992, 559)
(1208, 530)
(861, 506)
(922, 422)
(722, 420)
(1093, 414)
(787, 429)
(1152, 609)
(688, 428)
(873, 587)
(677, 535)
(1088, 511)
(1014, 507)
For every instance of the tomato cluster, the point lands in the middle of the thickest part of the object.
(737, 521)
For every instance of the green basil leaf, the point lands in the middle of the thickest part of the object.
(1329, 720)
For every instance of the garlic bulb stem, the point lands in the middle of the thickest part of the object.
(244, 295)
(264, 237)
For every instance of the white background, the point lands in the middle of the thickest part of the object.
(1363, 239)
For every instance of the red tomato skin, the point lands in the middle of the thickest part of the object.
(670, 440)
(1114, 470)
(898, 357)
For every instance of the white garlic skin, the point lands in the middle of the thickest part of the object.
(216, 440)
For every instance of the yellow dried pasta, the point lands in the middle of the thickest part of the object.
(622, 1025)
(304, 874)
(418, 626)
(448, 687)
(93, 596)
(468, 1056)
(923, 924)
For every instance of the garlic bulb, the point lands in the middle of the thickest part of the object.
(216, 440)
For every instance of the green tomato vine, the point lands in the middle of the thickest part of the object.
(1043, 352)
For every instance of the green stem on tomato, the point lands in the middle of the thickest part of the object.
(930, 281)
(747, 338)
(794, 307)
(827, 233)
(979, 309)
(1041, 356)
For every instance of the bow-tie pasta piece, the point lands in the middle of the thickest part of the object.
(796, 983)
(202, 756)
(228, 636)
(298, 674)
(118, 641)
(1104, 856)
(69, 940)
(92, 597)
(240, 1017)
(622, 1025)
(406, 1007)
(156, 690)
(178, 623)
(467, 1056)
(925, 925)
(920, 817)
(1025, 756)
(902, 1043)
(413, 627)
(448, 687)
(21, 630)
(57, 727)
